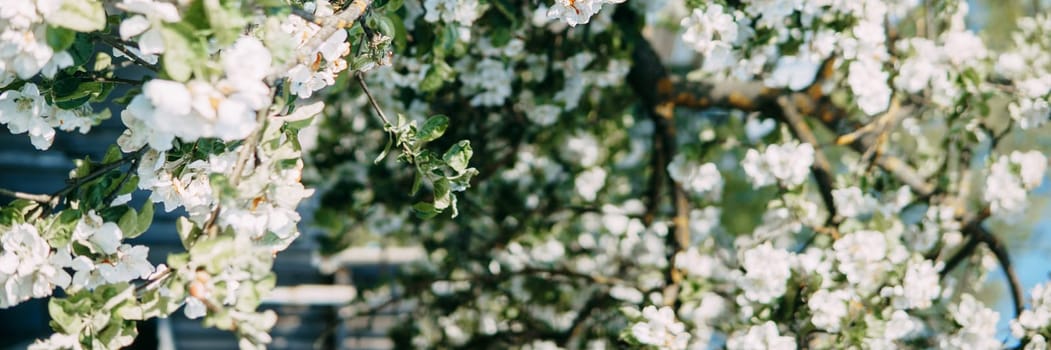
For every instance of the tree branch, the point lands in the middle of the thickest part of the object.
(595, 301)
(978, 234)
(1000, 251)
(329, 25)
(39, 198)
(650, 81)
(244, 155)
(123, 47)
(821, 168)
(372, 101)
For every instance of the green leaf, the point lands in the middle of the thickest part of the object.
(400, 33)
(433, 128)
(186, 229)
(113, 154)
(416, 181)
(445, 41)
(442, 194)
(178, 261)
(392, 5)
(82, 51)
(59, 315)
(386, 149)
(103, 61)
(81, 16)
(459, 155)
(425, 210)
(131, 312)
(434, 78)
(179, 54)
(145, 218)
(501, 36)
(382, 24)
(226, 22)
(59, 38)
(129, 223)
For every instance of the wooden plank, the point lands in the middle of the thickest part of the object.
(357, 256)
(312, 294)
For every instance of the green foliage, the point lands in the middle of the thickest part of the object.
(81, 16)
(447, 174)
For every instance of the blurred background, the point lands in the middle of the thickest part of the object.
(315, 289)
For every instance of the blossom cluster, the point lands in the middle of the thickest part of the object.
(584, 247)
(210, 129)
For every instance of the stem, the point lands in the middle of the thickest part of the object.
(372, 100)
(113, 194)
(821, 169)
(244, 155)
(123, 48)
(1000, 251)
(39, 198)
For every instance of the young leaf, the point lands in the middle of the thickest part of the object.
(129, 223)
(81, 16)
(60, 38)
(458, 156)
(433, 128)
(179, 56)
(425, 210)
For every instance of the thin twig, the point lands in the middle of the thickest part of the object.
(999, 250)
(124, 180)
(123, 48)
(579, 322)
(372, 100)
(244, 155)
(821, 168)
(95, 174)
(962, 254)
(980, 233)
(39, 198)
(651, 83)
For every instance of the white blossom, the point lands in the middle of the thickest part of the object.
(489, 81)
(709, 29)
(625, 293)
(900, 325)
(851, 202)
(829, 309)
(787, 164)
(101, 237)
(589, 182)
(1029, 112)
(660, 328)
(977, 326)
(861, 257)
(922, 284)
(148, 21)
(1032, 166)
(796, 72)
(130, 264)
(583, 149)
(695, 264)
(576, 12)
(702, 179)
(194, 308)
(1038, 316)
(763, 336)
(767, 270)
(27, 269)
(305, 79)
(868, 82)
(1004, 187)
